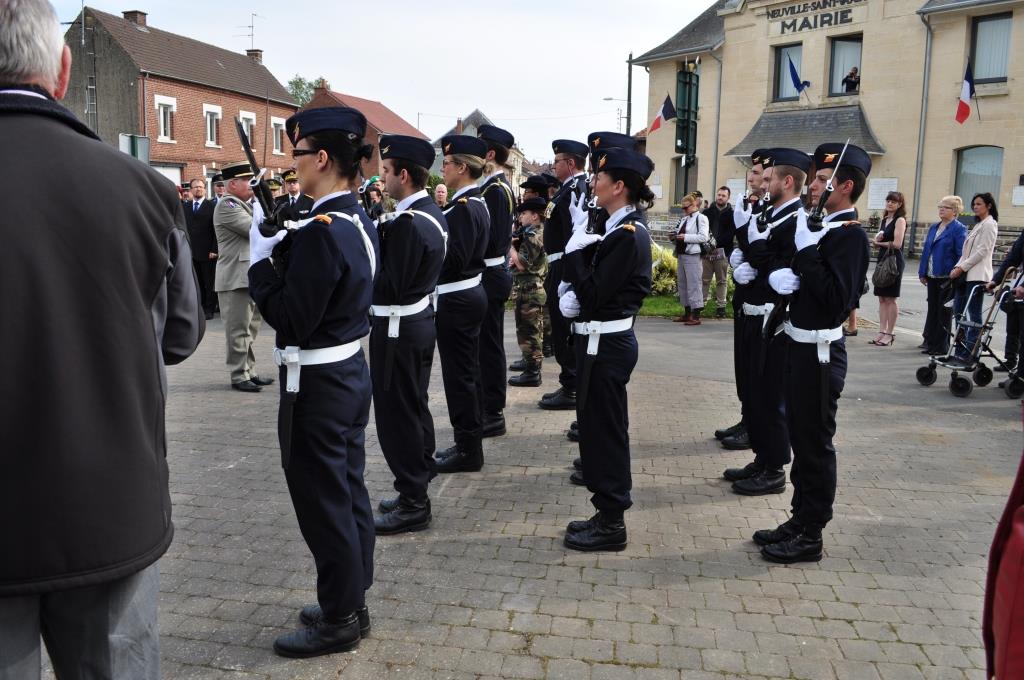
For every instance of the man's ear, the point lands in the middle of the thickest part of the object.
(64, 77)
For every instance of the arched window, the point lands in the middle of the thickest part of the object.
(979, 169)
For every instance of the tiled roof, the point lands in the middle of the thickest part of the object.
(379, 116)
(701, 35)
(174, 56)
(474, 120)
(805, 129)
(950, 5)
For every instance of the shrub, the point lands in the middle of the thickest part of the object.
(663, 276)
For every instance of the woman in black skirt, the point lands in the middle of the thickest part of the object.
(889, 242)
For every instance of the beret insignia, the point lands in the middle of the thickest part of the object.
(600, 163)
(830, 157)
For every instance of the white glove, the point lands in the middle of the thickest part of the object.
(563, 286)
(755, 234)
(580, 240)
(741, 211)
(744, 274)
(260, 246)
(736, 258)
(784, 281)
(804, 237)
(578, 213)
(569, 305)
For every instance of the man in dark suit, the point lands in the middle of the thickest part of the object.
(298, 203)
(199, 220)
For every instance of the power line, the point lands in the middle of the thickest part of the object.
(503, 118)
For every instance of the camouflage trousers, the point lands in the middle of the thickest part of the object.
(531, 304)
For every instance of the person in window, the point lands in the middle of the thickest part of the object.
(942, 249)
(975, 265)
(851, 83)
(889, 242)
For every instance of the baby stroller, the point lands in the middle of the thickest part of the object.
(981, 374)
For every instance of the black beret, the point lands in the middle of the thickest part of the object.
(827, 155)
(463, 144)
(536, 204)
(607, 140)
(413, 149)
(570, 147)
(538, 183)
(492, 133)
(624, 159)
(792, 157)
(237, 171)
(312, 121)
(758, 156)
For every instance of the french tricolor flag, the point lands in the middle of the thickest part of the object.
(963, 107)
(668, 112)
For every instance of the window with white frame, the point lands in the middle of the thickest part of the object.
(248, 120)
(211, 118)
(990, 51)
(979, 169)
(277, 132)
(784, 89)
(845, 57)
(165, 110)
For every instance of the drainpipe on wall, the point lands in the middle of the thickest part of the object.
(718, 123)
(919, 168)
(145, 118)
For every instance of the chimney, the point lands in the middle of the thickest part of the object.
(458, 126)
(321, 84)
(255, 55)
(135, 16)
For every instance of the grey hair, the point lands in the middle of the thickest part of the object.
(31, 42)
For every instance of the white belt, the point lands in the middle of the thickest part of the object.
(755, 310)
(456, 286)
(554, 257)
(823, 338)
(595, 329)
(394, 313)
(494, 261)
(294, 359)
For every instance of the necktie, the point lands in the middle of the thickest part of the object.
(195, 207)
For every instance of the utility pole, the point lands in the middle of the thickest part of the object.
(629, 93)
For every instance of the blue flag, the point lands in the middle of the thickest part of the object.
(800, 85)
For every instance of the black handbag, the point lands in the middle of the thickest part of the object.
(887, 271)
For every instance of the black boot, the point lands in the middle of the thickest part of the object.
(720, 313)
(577, 463)
(601, 532)
(573, 433)
(765, 482)
(389, 504)
(494, 425)
(548, 349)
(312, 613)
(737, 442)
(786, 530)
(748, 470)
(577, 478)
(519, 365)
(410, 515)
(729, 431)
(530, 377)
(461, 461)
(802, 547)
(562, 400)
(321, 637)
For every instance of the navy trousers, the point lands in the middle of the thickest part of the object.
(459, 316)
(497, 284)
(765, 402)
(561, 329)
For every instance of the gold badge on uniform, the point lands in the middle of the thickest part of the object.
(326, 219)
(597, 142)
(549, 210)
(385, 149)
(448, 148)
(600, 163)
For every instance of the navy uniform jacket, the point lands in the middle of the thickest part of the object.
(469, 227)
(323, 299)
(741, 293)
(831, 277)
(775, 252)
(411, 253)
(502, 208)
(558, 227)
(299, 211)
(612, 282)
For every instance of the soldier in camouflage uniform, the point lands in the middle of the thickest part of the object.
(529, 267)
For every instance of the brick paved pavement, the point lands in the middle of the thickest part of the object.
(489, 591)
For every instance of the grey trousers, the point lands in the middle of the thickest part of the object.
(720, 270)
(688, 277)
(104, 632)
(241, 324)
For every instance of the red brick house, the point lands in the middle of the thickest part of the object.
(184, 95)
(380, 119)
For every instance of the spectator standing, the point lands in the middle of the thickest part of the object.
(975, 268)
(889, 242)
(199, 220)
(99, 275)
(692, 231)
(1014, 315)
(723, 228)
(942, 249)
(441, 195)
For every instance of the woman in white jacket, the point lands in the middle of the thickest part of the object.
(975, 266)
(690, 234)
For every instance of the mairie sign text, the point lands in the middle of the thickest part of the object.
(808, 16)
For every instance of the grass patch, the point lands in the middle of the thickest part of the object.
(667, 306)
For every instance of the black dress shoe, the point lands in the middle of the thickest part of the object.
(209, 315)
(563, 400)
(572, 435)
(246, 386)
(494, 425)
(736, 474)
(577, 463)
(923, 345)
(548, 350)
(410, 515)
(574, 425)
(519, 365)
(738, 442)
(577, 478)
(598, 533)
(798, 548)
(720, 313)
(461, 461)
(763, 483)
(729, 431)
(321, 637)
(784, 531)
(388, 504)
(262, 382)
(530, 377)
(312, 613)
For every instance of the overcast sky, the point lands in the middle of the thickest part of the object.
(521, 63)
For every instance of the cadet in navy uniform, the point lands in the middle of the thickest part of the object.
(319, 305)
(825, 281)
(609, 277)
(461, 301)
(497, 279)
(298, 203)
(402, 340)
(570, 158)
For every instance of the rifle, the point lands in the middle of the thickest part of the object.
(260, 190)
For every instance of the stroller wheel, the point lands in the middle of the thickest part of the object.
(926, 375)
(1014, 388)
(982, 375)
(960, 386)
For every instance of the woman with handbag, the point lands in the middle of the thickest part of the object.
(889, 269)
(975, 266)
(692, 241)
(942, 249)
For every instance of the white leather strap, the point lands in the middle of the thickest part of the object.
(554, 257)
(755, 310)
(494, 261)
(294, 359)
(394, 313)
(444, 234)
(822, 338)
(595, 329)
(456, 286)
(367, 243)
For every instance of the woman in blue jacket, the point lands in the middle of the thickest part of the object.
(942, 250)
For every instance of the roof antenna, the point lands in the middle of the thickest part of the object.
(251, 35)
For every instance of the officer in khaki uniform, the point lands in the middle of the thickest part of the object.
(232, 219)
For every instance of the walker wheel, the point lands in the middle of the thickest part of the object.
(960, 386)
(927, 375)
(1014, 388)
(982, 375)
